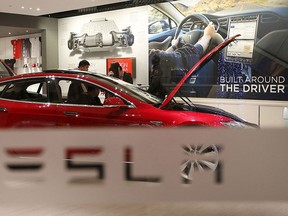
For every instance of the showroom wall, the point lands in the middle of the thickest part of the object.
(49, 34)
(256, 111)
(22, 53)
(100, 45)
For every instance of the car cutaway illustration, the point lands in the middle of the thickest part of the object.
(100, 35)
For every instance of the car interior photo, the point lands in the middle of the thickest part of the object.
(259, 51)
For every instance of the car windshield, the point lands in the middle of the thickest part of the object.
(132, 90)
(187, 7)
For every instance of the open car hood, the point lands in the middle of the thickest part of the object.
(201, 62)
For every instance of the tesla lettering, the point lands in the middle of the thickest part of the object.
(197, 158)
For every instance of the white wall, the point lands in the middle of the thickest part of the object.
(6, 48)
(134, 17)
(266, 114)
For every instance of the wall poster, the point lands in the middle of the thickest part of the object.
(254, 67)
(127, 64)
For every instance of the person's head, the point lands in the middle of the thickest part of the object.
(84, 65)
(114, 67)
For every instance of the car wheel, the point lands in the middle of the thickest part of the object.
(199, 158)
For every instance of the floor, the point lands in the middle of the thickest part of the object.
(183, 209)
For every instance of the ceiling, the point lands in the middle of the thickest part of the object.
(41, 8)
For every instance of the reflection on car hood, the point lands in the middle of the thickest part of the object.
(214, 110)
(199, 64)
(217, 111)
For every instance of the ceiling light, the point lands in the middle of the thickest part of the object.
(38, 9)
(23, 7)
(30, 8)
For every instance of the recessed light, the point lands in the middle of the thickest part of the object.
(9, 33)
(23, 7)
(38, 9)
(30, 8)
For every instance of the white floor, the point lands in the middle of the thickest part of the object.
(187, 209)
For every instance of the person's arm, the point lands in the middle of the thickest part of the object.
(174, 45)
(209, 32)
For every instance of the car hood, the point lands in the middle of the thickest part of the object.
(199, 64)
(217, 111)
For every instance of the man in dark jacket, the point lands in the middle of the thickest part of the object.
(125, 76)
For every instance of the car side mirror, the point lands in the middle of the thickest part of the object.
(158, 26)
(114, 101)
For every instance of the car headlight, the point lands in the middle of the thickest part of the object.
(236, 124)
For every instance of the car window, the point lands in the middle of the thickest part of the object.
(132, 90)
(159, 22)
(27, 90)
(83, 93)
(2, 86)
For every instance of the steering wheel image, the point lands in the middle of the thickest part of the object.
(194, 35)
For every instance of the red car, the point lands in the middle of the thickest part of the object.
(63, 98)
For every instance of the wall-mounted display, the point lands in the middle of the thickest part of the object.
(254, 67)
(117, 34)
(128, 65)
(100, 35)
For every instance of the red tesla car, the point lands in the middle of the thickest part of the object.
(65, 98)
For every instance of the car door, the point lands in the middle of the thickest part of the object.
(25, 103)
(116, 112)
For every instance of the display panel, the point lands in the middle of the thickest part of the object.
(127, 64)
(242, 50)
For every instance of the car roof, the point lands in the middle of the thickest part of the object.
(69, 73)
(53, 72)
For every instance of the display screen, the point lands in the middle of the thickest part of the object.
(242, 50)
(127, 64)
